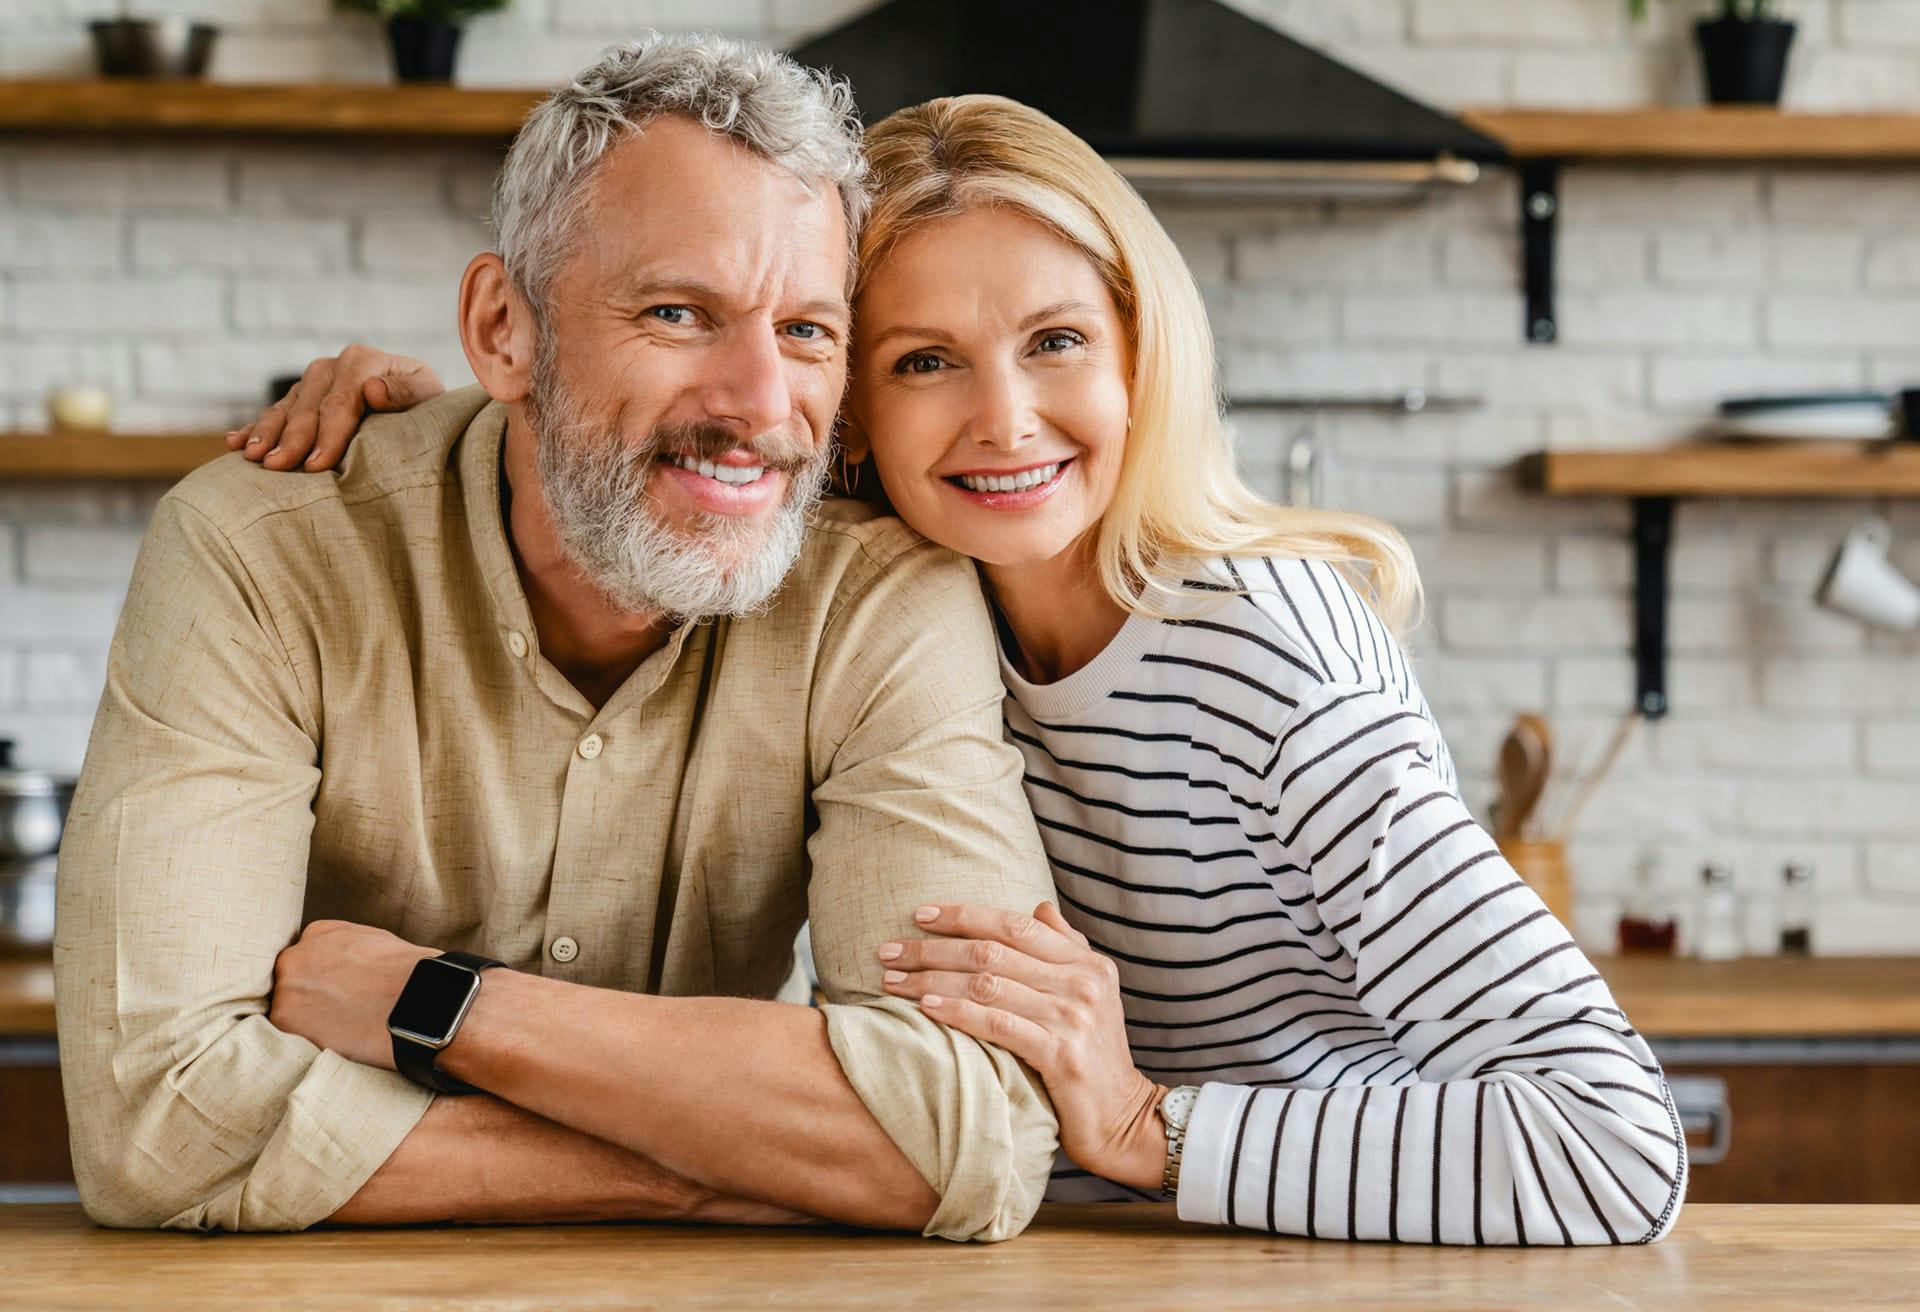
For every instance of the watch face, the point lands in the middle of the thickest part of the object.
(434, 1002)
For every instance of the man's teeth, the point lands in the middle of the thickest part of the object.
(735, 474)
(1010, 482)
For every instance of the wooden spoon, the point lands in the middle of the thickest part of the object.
(1525, 758)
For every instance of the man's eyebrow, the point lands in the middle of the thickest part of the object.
(692, 289)
(836, 308)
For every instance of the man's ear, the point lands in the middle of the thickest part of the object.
(496, 329)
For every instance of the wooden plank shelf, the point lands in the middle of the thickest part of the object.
(1706, 134)
(1747, 469)
(144, 107)
(107, 456)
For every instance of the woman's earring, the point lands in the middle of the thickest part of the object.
(849, 474)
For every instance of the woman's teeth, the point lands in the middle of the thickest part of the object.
(1010, 482)
(734, 474)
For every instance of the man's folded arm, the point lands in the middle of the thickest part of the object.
(920, 802)
(182, 876)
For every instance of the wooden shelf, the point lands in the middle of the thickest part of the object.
(1787, 469)
(1706, 134)
(115, 455)
(132, 105)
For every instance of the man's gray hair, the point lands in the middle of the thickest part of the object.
(796, 117)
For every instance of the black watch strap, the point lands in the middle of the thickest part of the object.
(416, 1060)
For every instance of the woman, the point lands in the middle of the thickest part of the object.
(1273, 899)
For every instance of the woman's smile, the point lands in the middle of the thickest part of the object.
(1015, 489)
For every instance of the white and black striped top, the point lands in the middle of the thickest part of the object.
(1252, 811)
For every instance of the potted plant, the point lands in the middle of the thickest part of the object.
(425, 33)
(1744, 51)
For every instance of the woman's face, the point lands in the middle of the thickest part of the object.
(991, 376)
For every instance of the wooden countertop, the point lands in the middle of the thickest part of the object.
(1767, 997)
(1667, 998)
(26, 996)
(1112, 1257)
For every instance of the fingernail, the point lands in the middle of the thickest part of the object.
(232, 433)
(254, 440)
(895, 977)
(932, 1001)
(312, 460)
(275, 451)
(888, 951)
(924, 914)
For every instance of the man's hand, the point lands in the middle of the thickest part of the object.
(336, 984)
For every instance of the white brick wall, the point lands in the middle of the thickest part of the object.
(184, 275)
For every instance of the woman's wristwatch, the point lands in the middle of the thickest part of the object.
(1176, 1109)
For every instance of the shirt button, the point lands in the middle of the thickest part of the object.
(590, 746)
(517, 644)
(564, 949)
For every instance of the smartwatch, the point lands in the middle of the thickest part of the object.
(427, 1017)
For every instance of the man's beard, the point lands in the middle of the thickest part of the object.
(595, 484)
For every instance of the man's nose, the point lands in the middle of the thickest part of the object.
(748, 388)
(1005, 414)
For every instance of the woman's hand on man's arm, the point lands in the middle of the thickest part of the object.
(309, 428)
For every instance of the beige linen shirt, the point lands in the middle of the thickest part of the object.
(326, 699)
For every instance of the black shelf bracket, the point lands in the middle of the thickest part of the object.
(1652, 551)
(1539, 212)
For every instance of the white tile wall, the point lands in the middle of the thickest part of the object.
(183, 276)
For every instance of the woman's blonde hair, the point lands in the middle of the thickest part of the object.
(1179, 494)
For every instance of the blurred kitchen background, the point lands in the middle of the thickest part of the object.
(1407, 348)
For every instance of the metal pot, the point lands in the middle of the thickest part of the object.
(33, 810)
(26, 904)
(152, 47)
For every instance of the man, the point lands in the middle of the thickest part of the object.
(517, 683)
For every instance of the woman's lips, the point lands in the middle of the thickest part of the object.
(1020, 500)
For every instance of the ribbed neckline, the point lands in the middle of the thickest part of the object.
(1091, 683)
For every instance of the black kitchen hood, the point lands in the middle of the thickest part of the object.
(1165, 88)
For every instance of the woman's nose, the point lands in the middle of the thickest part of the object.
(1004, 414)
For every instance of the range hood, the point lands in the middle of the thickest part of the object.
(1173, 92)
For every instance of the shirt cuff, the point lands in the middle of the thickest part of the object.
(343, 1121)
(1206, 1160)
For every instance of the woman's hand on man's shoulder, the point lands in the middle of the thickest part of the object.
(309, 428)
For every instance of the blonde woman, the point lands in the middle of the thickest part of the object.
(1290, 982)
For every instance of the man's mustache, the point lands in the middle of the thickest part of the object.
(709, 441)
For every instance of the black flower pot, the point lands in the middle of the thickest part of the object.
(423, 48)
(1746, 59)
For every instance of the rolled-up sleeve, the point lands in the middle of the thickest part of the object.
(182, 876)
(919, 801)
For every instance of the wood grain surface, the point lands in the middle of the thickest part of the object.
(1748, 469)
(166, 456)
(1696, 132)
(142, 105)
(1667, 998)
(26, 996)
(1112, 1258)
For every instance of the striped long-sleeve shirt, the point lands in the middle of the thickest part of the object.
(1253, 812)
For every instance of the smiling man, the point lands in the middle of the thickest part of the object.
(572, 677)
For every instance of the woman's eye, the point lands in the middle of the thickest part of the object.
(1060, 340)
(678, 315)
(919, 363)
